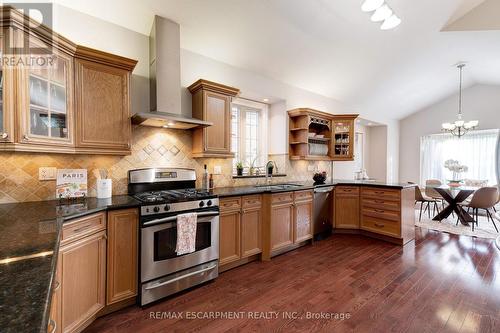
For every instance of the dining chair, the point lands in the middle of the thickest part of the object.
(498, 201)
(484, 198)
(423, 199)
(432, 193)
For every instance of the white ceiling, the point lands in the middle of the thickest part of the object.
(329, 47)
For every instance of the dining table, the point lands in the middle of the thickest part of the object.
(454, 196)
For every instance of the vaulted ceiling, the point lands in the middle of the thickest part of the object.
(332, 48)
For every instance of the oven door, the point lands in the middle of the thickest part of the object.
(159, 239)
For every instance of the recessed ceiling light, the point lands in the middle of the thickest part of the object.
(391, 22)
(165, 126)
(381, 14)
(170, 123)
(371, 5)
(369, 124)
(266, 100)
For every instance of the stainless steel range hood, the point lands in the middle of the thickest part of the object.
(165, 80)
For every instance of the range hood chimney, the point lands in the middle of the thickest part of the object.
(165, 80)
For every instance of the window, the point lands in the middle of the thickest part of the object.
(249, 133)
(476, 150)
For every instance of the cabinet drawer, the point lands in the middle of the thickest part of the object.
(282, 197)
(303, 195)
(230, 203)
(380, 193)
(380, 226)
(82, 227)
(381, 213)
(252, 201)
(381, 204)
(346, 190)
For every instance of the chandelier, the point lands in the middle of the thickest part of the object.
(460, 127)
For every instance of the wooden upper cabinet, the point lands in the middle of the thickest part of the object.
(315, 135)
(122, 263)
(102, 87)
(66, 98)
(212, 103)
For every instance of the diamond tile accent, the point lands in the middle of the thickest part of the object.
(149, 149)
(174, 150)
(162, 150)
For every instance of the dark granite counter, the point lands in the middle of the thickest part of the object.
(252, 189)
(29, 244)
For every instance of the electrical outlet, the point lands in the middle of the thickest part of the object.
(47, 173)
(217, 170)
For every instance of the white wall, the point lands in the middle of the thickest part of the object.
(378, 166)
(480, 102)
(89, 31)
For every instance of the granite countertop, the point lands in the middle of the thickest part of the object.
(29, 244)
(252, 189)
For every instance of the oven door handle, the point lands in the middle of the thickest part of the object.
(161, 284)
(174, 218)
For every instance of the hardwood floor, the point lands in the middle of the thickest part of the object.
(439, 283)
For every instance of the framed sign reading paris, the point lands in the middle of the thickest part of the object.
(71, 183)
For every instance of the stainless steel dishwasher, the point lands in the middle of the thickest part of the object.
(323, 212)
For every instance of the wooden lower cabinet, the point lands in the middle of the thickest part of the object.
(240, 227)
(303, 221)
(83, 281)
(96, 268)
(346, 207)
(281, 226)
(122, 264)
(251, 239)
(229, 240)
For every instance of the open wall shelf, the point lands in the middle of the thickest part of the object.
(320, 136)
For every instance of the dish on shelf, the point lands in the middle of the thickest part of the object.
(320, 136)
(311, 135)
(318, 149)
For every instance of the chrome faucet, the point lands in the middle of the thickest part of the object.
(267, 173)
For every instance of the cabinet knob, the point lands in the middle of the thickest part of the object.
(26, 137)
(5, 135)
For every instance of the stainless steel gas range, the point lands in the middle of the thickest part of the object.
(166, 193)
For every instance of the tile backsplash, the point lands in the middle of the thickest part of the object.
(151, 147)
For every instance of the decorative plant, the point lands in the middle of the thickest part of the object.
(252, 165)
(239, 168)
(455, 167)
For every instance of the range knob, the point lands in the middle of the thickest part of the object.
(166, 208)
(156, 209)
(202, 204)
(209, 203)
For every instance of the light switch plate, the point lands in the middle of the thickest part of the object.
(217, 170)
(47, 173)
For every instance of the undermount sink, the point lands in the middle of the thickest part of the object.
(278, 186)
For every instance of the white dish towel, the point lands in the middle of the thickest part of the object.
(186, 233)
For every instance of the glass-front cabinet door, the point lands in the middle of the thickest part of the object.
(343, 139)
(47, 106)
(6, 95)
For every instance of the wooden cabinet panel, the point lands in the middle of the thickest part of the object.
(380, 204)
(303, 221)
(122, 264)
(55, 306)
(7, 100)
(381, 226)
(212, 102)
(381, 213)
(217, 111)
(281, 198)
(346, 209)
(281, 226)
(303, 195)
(251, 223)
(252, 201)
(83, 273)
(81, 227)
(380, 193)
(229, 237)
(227, 204)
(102, 107)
